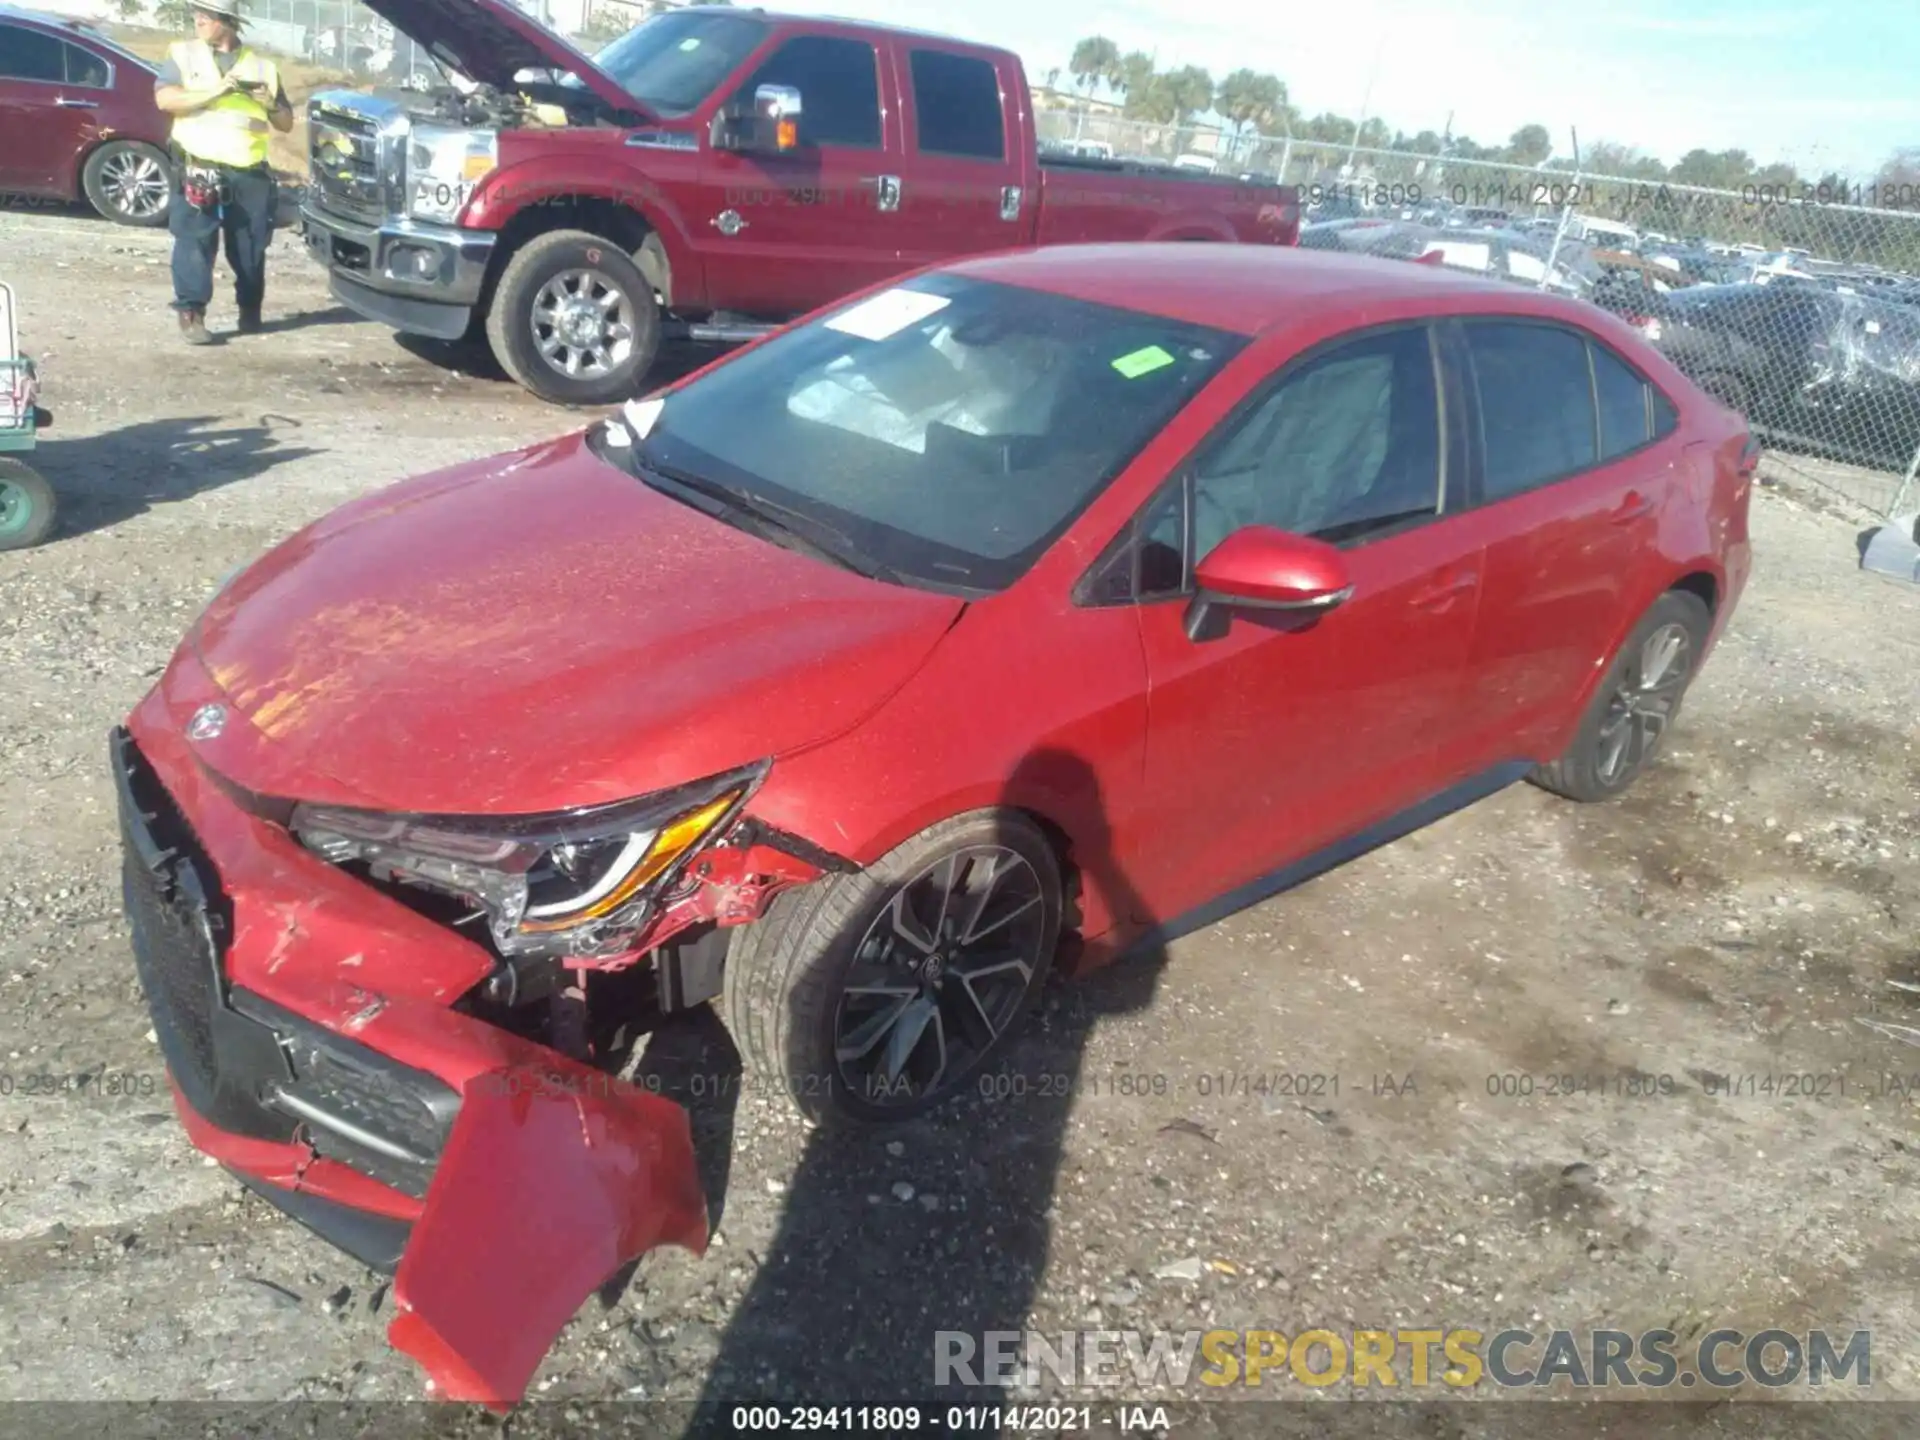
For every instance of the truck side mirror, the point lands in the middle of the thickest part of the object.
(770, 125)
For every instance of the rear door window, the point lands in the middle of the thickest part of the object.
(85, 68)
(1622, 398)
(956, 102)
(1535, 391)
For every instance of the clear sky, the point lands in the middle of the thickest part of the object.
(1827, 85)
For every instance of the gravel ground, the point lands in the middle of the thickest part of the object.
(1137, 1167)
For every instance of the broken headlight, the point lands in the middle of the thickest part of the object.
(580, 883)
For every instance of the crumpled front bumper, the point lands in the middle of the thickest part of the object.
(309, 1028)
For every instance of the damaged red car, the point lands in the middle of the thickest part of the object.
(994, 620)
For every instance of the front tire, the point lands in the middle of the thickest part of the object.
(129, 182)
(1636, 703)
(27, 506)
(875, 996)
(573, 320)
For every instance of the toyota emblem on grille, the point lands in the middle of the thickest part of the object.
(207, 722)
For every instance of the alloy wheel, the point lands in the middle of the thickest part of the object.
(583, 324)
(134, 184)
(940, 974)
(1643, 706)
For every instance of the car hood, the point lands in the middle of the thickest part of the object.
(491, 41)
(540, 631)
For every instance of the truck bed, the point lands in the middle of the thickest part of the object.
(1087, 200)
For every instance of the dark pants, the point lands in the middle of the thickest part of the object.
(246, 220)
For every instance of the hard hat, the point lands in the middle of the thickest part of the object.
(228, 10)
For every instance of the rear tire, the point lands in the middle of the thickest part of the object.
(1636, 703)
(27, 506)
(819, 974)
(129, 182)
(572, 299)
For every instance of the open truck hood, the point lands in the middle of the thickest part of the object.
(491, 41)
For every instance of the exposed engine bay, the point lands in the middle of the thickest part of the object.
(533, 104)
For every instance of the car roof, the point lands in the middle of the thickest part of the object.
(1247, 289)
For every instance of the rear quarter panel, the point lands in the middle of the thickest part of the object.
(1087, 205)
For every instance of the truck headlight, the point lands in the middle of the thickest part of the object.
(444, 165)
(580, 883)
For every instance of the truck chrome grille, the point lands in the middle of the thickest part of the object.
(347, 158)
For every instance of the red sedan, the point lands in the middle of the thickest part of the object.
(1019, 610)
(77, 119)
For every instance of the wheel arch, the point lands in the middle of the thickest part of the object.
(1699, 580)
(639, 233)
(1088, 907)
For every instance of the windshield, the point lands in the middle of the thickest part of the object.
(946, 431)
(673, 61)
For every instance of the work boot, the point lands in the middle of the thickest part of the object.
(250, 321)
(193, 327)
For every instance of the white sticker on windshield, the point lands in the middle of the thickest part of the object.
(642, 416)
(887, 313)
(692, 42)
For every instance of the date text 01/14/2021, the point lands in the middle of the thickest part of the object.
(958, 1419)
(1228, 1084)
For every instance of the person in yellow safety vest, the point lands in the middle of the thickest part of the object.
(225, 100)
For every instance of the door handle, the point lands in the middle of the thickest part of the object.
(66, 104)
(1441, 594)
(1632, 508)
(886, 192)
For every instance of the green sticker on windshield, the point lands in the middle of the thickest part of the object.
(1142, 362)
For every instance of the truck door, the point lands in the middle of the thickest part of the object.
(783, 234)
(970, 183)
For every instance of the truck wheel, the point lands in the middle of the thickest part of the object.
(573, 320)
(26, 506)
(128, 181)
(877, 995)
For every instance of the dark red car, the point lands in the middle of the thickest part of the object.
(1026, 608)
(77, 119)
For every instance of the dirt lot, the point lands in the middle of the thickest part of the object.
(1735, 917)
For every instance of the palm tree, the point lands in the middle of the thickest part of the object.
(1252, 102)
(1134, 78)
(1095, 59)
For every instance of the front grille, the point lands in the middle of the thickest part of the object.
(180, 920)
(173, 955)
(244, 1063)
(347, 159)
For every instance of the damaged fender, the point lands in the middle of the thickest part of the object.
(554, 1177)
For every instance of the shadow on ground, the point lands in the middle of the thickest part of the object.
(877, 1252)
(103, 480)
(475, 358)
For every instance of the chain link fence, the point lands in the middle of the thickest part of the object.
(1797, 305)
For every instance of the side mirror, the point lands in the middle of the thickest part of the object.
(1261, 568)
(769, 126)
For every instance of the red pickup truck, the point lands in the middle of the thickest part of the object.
(711, 173)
